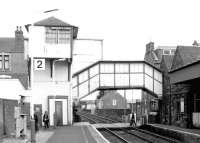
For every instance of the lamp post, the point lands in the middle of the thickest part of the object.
(170, 116)
(168, 85)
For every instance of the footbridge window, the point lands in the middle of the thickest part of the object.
(120, 75)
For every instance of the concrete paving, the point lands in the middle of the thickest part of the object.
(41, 137)
(82, 132)
(183, 134)
(72, 134)
(195, 132)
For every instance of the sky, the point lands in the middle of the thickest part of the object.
(125, 26)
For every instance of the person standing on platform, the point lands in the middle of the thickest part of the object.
(46, 119)
(36, 122)
(132, 119)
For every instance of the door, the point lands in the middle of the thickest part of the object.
(38, 109)
(59, 113)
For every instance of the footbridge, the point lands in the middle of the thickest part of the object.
(116, 75)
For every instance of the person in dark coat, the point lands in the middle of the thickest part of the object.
(36, 121)
(46, 119)
(132, 121)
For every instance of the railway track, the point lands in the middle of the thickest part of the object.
(133, 135)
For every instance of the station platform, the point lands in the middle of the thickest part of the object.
(82, 132)
(182, 134)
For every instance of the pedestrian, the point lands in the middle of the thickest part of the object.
(36, 121)
(46, 119)
(132, 121)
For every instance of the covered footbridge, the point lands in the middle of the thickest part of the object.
(116, 75)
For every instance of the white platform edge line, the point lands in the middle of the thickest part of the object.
(105, 140)
(178, 131)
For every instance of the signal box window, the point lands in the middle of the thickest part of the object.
(57, 35)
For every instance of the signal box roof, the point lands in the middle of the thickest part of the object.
(52, 21)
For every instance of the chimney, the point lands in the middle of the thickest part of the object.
(195, 44)
(19, 40)
(149, 47)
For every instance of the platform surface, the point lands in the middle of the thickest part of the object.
(72, 134)
(78, 133)
(195, 132)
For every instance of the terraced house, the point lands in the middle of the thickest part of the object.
(13, 78)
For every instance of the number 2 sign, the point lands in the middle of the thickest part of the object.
(39, 64)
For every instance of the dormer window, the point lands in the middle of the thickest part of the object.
(58, 35)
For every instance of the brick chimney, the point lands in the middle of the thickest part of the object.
(195, 43)
(149, 47)
(19, 40)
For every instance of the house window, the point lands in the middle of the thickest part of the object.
(114, 102)
(1, 62)
(154, 105)
(4, 62)
(57, 35)
(166, 52)
(173, 52)
(182, 105)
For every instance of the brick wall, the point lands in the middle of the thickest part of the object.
(7, 120)
(115, 114)
(9, 115)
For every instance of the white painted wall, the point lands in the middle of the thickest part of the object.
(86, 52)
(44, 85)
(11, 89)
(40, 92)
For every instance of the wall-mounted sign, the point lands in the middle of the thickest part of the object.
(39, 64)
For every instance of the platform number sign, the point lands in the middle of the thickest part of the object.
(39, 64)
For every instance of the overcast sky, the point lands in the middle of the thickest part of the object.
(125, 25)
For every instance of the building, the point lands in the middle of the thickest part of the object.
(180, 102)
(50, 57)
(13, 59)
(13, 79)
(111, 99)
(86, 52)
(162, 58)
(184, 93)
(154, 55)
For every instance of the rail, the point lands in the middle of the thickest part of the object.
(138, 133)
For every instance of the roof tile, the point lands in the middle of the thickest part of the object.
(7, 44)
(52, 21)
